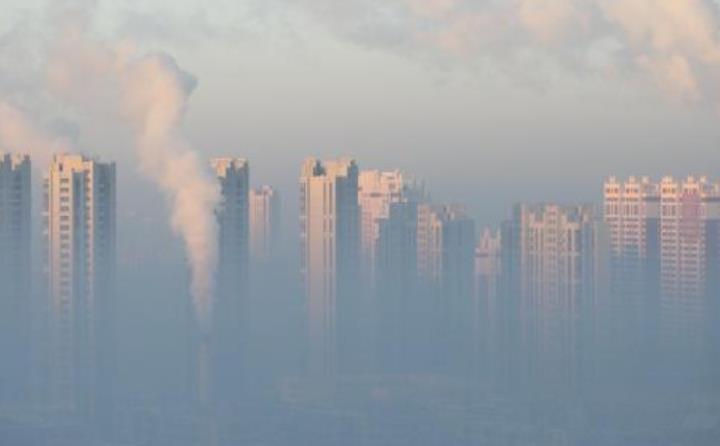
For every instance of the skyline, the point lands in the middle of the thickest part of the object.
(530, 314)
(415, 183)
(359, 222)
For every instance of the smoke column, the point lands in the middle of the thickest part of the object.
(150, 93)
(156, 93)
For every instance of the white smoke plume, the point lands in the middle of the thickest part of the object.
(150, 93)
(21, 134)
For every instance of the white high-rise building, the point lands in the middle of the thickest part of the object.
(229, 325)
(445, 259)
(264, 222)
(549, 271)
(81, 235)
(15, 297)
(377, 191)
(329, 223)
(388, 221)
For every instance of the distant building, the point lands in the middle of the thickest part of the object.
(665, 259)
(264, 222)
(550, 288)
(330, 259)
(228, 331)
(445, 259)
(388, 202)
(15, 297)
(377, 191)
(689, 261)
(486, 312)
(233, 223)
(632, 219)
(81, 206)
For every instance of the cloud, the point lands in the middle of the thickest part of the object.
(552, 20)
(673, 43)
(19, 133)
(173, 28)
(431, 8)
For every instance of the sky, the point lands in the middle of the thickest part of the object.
(489, 102)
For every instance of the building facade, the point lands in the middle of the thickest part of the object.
(445, 265)
(690, 218)
(81, 232)
(330, 248)
(664, 265)
(550, 292)
(486, 311)
(264, 223)
(228, 331)
(632, 220)
(377, 191)
(388, 221)
(15, 277)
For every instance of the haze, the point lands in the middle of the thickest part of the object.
(482, 105)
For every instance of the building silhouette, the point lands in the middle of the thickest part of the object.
(445, 259)
(80, 196)
(330, 255)
(550, 264)
(689, 236)
(388, 202)
(15, 278)
(264, 204)
(228, 332)
(664, 244)
(486, 311)
(632, 219)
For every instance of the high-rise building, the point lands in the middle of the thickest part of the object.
(664, 243)
(632, 220)
(388, 221)
(330, 242)
(81, 234)
(689, 234)
(445, 259)
(264, 222)
(233, 223)
(228, 339)
(377, 191)
(389, 203)
(15, 293)
(486, 313)
(549, 277)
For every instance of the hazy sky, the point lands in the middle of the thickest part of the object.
(490, 102)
